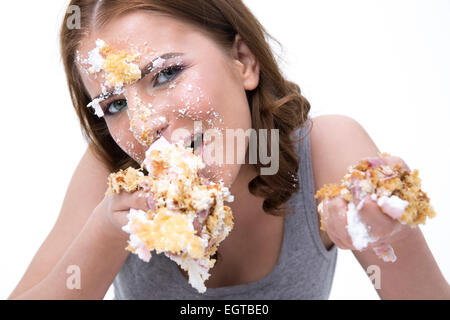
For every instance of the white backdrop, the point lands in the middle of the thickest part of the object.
(383, 63)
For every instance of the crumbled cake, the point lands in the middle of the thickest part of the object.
(189, 219)
(396, 189)
(120, 66)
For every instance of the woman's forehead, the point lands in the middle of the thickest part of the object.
(144, 32)
(143, 35)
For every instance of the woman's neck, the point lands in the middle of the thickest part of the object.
(251, 250)
(246, 207)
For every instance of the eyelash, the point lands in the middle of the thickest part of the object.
(177, 68)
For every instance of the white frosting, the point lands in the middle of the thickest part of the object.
(95, 59)
(96, 105)
(356, 228)
(393, 206)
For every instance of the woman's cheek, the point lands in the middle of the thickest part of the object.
(122, 134)
(191, 100)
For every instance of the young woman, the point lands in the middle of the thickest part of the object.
(210, 62)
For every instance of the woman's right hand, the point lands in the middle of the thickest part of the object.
(114, 208)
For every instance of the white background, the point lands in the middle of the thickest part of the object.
(384, 63)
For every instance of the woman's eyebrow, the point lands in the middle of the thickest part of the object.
(149, 67)
(144, 71)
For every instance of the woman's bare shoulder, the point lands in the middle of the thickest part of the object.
(337, 141)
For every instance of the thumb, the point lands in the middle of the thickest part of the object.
(392, 206)
(151, 201)
(377, 221)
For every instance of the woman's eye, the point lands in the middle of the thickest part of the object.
(166, 75)
(116, 106)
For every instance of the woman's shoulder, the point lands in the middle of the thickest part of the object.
(337, 141)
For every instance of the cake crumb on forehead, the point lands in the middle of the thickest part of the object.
(120, 66)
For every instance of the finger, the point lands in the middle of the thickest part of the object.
(335, 221)
(339, 242)
(119, 218)
(392, 161)
(136, 200)
(151, 201)
(378, 223)
(335, 214)
(392, 206)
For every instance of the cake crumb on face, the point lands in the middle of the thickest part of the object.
(120, 66)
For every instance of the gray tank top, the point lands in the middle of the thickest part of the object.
(304, 270)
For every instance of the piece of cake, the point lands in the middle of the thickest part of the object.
(189, 219)
(396, 190)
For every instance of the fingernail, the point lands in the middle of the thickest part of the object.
(151, 202)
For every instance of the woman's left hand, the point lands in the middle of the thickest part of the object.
(381, 222)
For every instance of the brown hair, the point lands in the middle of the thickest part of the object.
(275, 104)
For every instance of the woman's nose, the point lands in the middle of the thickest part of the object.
(147, 122)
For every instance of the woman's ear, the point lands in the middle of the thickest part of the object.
(248, 66)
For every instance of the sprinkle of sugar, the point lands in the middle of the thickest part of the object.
(158, 63)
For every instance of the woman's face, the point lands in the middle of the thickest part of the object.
(186, 82)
